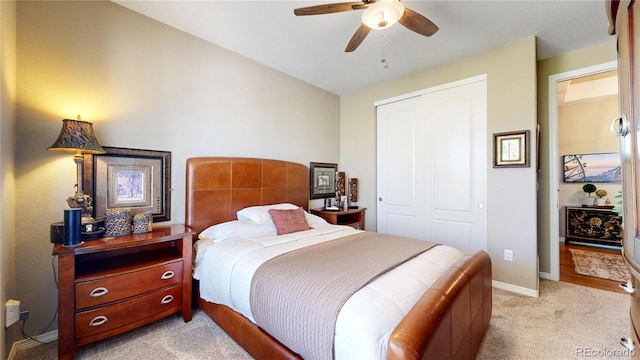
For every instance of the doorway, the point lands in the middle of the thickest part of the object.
(558, 85)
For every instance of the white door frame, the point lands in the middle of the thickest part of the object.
(554, 166)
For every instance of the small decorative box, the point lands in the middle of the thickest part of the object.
(117, 222)
(142, 223)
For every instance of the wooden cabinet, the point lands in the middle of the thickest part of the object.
(625, 24)
(350, 217)
(112, 285)
(593, 225)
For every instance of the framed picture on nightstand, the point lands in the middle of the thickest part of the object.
(322, 180)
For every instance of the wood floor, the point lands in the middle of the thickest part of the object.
(567, 274)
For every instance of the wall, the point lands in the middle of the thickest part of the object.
(583, 128)
(143, 85)
(7, 179)
(511, 203)
(578, 59)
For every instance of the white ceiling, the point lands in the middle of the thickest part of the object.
(311, 48)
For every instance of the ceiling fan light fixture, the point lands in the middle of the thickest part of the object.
(383, 14)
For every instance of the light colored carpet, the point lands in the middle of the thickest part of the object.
(598, 264)
(566, 322)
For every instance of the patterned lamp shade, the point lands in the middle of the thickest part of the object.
(77, 136)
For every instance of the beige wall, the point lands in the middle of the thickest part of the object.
(143, 85)
(590, 56)
(7, 182)
(511, 94)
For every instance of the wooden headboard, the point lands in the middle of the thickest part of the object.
(217, 187)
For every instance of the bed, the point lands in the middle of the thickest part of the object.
(448, 320)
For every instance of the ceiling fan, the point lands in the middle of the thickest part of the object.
(378, 15)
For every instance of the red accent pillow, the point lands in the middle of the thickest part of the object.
(289, 221)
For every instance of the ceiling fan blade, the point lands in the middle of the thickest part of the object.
(357, 38)
(326, 8)
(418, 23)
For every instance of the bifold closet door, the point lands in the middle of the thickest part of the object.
(432, 166)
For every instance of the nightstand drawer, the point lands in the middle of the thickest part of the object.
(114, 288)
(110, 317)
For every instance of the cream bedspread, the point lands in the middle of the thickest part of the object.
(225, 271)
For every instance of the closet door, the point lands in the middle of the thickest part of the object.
(398, 132)
(432, 166)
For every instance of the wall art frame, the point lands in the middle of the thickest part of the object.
(511, 149)
(592, 168)
(322, 180)
(136, 179)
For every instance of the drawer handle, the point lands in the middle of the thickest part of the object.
(97, 292)
(628, 343)
(167, 299)
(98, 320)
(628, 287)
(167, 275)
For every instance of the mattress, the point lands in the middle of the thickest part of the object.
(363, 327)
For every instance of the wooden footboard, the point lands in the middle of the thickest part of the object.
(451, 318)
(448, 322)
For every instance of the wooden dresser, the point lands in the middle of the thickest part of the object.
(112, 285)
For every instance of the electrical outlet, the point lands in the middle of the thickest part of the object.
(508, 255)
(12, 309)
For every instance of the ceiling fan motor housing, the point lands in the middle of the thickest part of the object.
(383, 14)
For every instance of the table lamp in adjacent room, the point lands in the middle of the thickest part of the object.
(77, 136)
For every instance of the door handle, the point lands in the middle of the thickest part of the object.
(623, 126)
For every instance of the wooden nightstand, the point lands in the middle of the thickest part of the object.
(112, 285)
(351, 217)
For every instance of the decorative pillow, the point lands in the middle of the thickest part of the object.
(289, 221)
(260, 214)
(234, 229)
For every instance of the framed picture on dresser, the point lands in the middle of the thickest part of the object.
(135, 179)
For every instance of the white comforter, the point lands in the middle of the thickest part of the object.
(366, 320)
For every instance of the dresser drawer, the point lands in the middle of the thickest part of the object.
(113, 316)
(114, 288)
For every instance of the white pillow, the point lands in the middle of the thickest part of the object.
(234, 229)
(260, 214)
(315, 219)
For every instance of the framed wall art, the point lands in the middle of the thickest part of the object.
(511, 149)
(136, 179)
(322, 180)
(593, 168)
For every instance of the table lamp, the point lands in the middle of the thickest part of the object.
(77, 137)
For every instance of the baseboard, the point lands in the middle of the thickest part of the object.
(515, 289)
(30, 343)
(545, 275)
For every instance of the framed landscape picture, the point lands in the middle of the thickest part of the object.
(592, 168)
